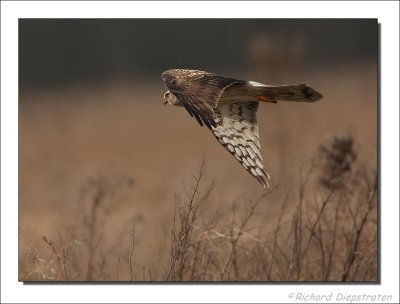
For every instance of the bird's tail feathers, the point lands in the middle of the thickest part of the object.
(294, 92)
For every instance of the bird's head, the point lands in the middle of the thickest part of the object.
(171, 99)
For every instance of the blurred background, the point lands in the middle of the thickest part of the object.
(91, 112)
(68, 51)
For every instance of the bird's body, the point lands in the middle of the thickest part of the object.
(228, 107)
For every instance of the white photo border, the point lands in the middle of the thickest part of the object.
(12, 291)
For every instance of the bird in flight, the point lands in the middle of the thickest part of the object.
(228, 107)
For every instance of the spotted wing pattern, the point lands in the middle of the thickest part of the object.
(236, 129)
(197, 91)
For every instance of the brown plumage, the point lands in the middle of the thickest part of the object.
(228, 107)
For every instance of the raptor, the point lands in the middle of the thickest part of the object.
(228, 107)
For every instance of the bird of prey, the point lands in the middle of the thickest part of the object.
(228, 107)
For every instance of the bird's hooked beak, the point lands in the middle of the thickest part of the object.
(166, 97)
(170, 98)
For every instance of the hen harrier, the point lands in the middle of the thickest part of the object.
(228, 108)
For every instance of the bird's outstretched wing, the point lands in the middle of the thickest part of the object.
(198, 92)
(236, 129)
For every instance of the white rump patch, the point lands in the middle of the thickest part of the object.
(257, 84)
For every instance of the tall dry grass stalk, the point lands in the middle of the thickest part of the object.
(325, 232)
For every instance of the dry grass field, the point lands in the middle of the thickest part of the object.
(114, 186)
